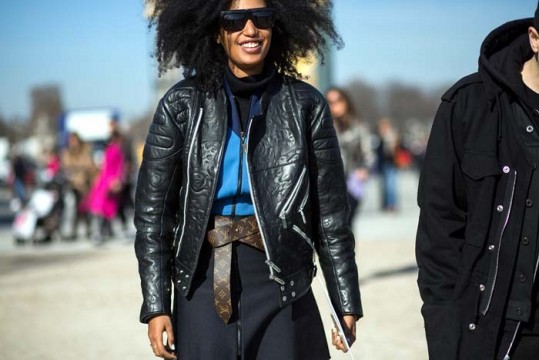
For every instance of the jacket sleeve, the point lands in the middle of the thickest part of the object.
(156, 203)
(440, 234)
(336, 244)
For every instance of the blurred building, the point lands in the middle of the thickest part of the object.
(46, 110)
(317, 74)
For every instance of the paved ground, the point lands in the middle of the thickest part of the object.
(73, 300)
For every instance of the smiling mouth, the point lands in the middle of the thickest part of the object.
(251, 44)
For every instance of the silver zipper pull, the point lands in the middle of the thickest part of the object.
(243, 144)
(285, 223)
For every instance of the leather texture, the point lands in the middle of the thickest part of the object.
(297, 186)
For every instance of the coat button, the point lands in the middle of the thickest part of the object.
(292, 283)
(293, 294)
(506, 169)
(285, 298)
(529, 128)
(522, 278)
(499, 208)
(525, 241)
(283, 288)
(472, 326)
(482, 287)
(529, 202)
(492, 247)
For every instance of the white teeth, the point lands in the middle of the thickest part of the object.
(250, 44)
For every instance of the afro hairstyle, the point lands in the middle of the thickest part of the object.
(186, 33)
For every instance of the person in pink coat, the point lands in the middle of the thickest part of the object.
(105, 193)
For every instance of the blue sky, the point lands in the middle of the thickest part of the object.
(427, 42)
(98, 51)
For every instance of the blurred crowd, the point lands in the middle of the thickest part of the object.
(80, 190)
(74, 190)
(371, 153)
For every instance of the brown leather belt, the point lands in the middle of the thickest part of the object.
(227, 230)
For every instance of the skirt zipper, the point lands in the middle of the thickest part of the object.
(239, 337)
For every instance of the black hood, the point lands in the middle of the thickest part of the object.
(503, 54)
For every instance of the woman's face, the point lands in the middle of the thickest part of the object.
(337, 104)
(247, 48)
(73, 141)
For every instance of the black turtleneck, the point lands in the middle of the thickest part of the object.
(243, 88)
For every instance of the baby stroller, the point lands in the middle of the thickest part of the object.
(38, 220)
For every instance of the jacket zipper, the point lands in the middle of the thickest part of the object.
(498, 247)
(303, 203)
(238, 193)
(272, 267)
(191, 146)
(240, 173)
(303, 235)
(507, 357)
(291, 198)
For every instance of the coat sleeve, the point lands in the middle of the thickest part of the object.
(440, 234)
(336, 244)
(156, 203)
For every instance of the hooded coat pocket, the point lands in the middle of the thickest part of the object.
(482, 172)
(478, 165)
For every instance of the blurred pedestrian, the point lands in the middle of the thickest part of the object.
(126, 202)
(79, 170)
(477, 240)
(104, 196)
(52, 164)
(241, 180)
(386, 156)
(19, 176)
(355, 144)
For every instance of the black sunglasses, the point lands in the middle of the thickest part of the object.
(235, 20)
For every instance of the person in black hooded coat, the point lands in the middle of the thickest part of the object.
(477, 240)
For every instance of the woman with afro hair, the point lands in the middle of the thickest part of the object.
(240, 185)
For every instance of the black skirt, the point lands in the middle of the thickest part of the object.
(259, 328)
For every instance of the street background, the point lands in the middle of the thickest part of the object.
(80, 66)
(78, 301)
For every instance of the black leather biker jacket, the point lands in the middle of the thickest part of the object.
(297, 186)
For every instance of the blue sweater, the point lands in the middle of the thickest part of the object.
(233, 195)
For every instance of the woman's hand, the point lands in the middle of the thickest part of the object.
(156, 327)
(349, 326)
